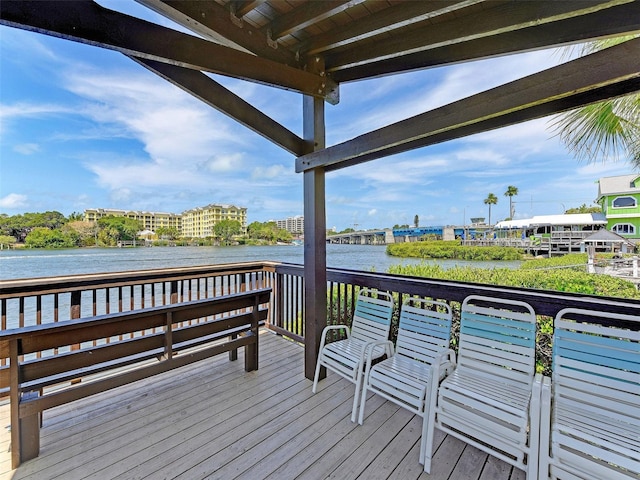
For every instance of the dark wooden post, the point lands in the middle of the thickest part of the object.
(315, 226)
(25, 432)
(251, 350)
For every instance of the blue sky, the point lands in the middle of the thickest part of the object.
(83, 127)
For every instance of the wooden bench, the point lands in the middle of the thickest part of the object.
(122, 348)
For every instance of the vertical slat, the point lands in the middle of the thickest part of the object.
(168, 337)
(21, 312)
(14, 395)
(3, 321)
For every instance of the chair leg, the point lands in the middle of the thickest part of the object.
(356, 396)
(429, 422)
(362, 403)
(316, 376)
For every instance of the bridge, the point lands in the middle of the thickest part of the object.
(398, 235)
(365, 237)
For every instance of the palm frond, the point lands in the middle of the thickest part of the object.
(608, 130)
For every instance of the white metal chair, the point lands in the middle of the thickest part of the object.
(422, 357)
(590, 426)
(371, 323)
(492, 399)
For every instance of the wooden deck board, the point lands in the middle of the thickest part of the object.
(214, 420)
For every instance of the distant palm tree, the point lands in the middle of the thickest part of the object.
(490, 200)
(605, 130)
(511, 192)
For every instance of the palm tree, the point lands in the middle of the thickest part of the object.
(490, 200)
(511, 191)
(607, 130)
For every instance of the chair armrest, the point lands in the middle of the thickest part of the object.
(445, 362)
(368, 353)
(370, 346)
(327, 329)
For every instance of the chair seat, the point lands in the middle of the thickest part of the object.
(579, 432)
(344, 356)
(487, 406)
(402, 379)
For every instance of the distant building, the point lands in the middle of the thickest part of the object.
(148, 220)
(199, 222)
(619, 198)
(294, 225)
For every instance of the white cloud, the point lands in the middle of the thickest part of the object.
(27, 148)
(13, 200)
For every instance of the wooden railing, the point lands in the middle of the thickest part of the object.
(342, 283)
(44, 300)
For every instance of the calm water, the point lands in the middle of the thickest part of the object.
(16, 264)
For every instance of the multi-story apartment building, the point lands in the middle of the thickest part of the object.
(295, 225)
(148, 220)
(199, 222)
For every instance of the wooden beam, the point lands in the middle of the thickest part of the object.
(215, 95)
(214, 21)
(88, 22)
(504, 18)
(604, 74)
(614, 21)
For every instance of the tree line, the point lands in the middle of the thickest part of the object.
(52, 229)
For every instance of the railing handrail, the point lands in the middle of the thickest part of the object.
(67, 283)
(544, 302)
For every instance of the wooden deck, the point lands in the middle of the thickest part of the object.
(213, 420)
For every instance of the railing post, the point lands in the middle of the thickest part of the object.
(251, 350)
(25, 432)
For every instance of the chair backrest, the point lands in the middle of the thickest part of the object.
(498, 338)
(424, 330)
(372, 316)
(596, 368)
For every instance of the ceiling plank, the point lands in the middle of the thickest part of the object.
(612, 72)
(306, 15)
(504, 18)
(215, 95)
(241, 7)
(614, 21)
(88, 22)
(387, 20)
(213, 21)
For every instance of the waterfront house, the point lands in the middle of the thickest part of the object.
(619, 197)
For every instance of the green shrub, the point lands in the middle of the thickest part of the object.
(563, 280)
(451, 249)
